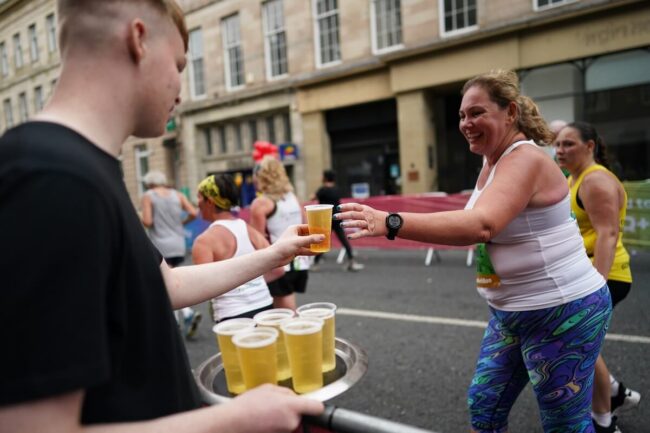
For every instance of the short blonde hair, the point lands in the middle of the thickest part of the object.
(74, 13)
(272, 179)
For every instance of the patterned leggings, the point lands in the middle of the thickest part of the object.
(555, 349)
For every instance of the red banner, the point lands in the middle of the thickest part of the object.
(421, 203)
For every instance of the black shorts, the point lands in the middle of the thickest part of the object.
(290, 282)
(248, 314)
(618, 290)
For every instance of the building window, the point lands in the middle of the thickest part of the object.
(233, 55)
(326, 16)
(18, 52)
(4, 61)
(270, 129)
(38, 98)
(197, 77)
(457, 16)
(252, 130)
(386, 19)
(50, 24)
(275, 39)
(22, 107)
(33, 43)
(286, 120)
(141, 166)
(223, 140)
(9, 114)
(239, 145)
(545, 4)
(207, 137)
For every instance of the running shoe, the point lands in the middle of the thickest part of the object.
(613, 428)
(626, 399)
(192, 324)
(354, 267)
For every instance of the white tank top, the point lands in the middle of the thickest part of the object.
(249, 296)
(167, 232)
(287, 213)
(539, 257)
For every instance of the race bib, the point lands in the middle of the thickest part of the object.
(486, 276)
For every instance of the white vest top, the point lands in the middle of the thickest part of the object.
(249, 296)
(539, 257)
(287, 213)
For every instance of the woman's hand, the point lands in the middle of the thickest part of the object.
(366, 220)
(294, 242)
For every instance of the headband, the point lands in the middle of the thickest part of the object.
(208, 187)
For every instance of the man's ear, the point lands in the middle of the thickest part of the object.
(136, 38)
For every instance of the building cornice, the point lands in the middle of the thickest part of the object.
(6, 5)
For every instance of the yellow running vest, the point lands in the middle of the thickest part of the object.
(620, 270)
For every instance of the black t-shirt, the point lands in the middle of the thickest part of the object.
(84, 302)
(329, 195)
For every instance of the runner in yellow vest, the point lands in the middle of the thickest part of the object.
(599, 201)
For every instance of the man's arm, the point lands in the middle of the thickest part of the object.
(188, 207)
(191, 285)
(267, 409)
(147, 211)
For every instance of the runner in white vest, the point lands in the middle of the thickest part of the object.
(229, 236)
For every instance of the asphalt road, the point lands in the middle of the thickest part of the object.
(420, 368)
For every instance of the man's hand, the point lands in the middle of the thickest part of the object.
(295, 241)
(271, 409)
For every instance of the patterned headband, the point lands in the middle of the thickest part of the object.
(208, 187)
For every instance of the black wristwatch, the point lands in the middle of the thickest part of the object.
(393, 223)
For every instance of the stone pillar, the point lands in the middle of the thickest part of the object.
(416, 143)
(316, 150)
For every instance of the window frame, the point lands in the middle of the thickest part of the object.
(23, 107)
(4, 60)
(39, 101)
(193, 68)
(551, 5)
(18, 51)
(317, 45)
(227, 46)
(455, 32)
(50, 29)
(141, 159)
(32, 34)
(268, 35)
(374, 40)
(8, 113)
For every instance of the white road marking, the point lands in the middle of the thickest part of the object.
(462, 322)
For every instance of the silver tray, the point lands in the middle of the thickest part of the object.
(351, 365)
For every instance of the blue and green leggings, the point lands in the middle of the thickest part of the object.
(555, 349)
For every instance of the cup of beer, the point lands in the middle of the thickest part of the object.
(258, 357)
(319, 220)
(326, 312)
(273, 318)
(304, 341)
(224, 332)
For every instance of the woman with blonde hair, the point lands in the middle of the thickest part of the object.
(272, 212)
(549, 307)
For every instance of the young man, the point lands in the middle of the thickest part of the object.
(98, 346)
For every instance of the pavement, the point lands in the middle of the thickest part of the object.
(421, 327)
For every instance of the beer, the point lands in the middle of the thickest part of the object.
(224, 331)
(324, 311)
(274, 318)
(319, 220)
(258, 358)
(304, 340)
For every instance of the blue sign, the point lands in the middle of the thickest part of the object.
(288, 152)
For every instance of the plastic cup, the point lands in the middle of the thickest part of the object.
(224, 332)
(325, 311)
(274, 318)
(258, 357)
(319, 220)
(304, 340)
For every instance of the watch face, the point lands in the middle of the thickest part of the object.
(394, 221)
